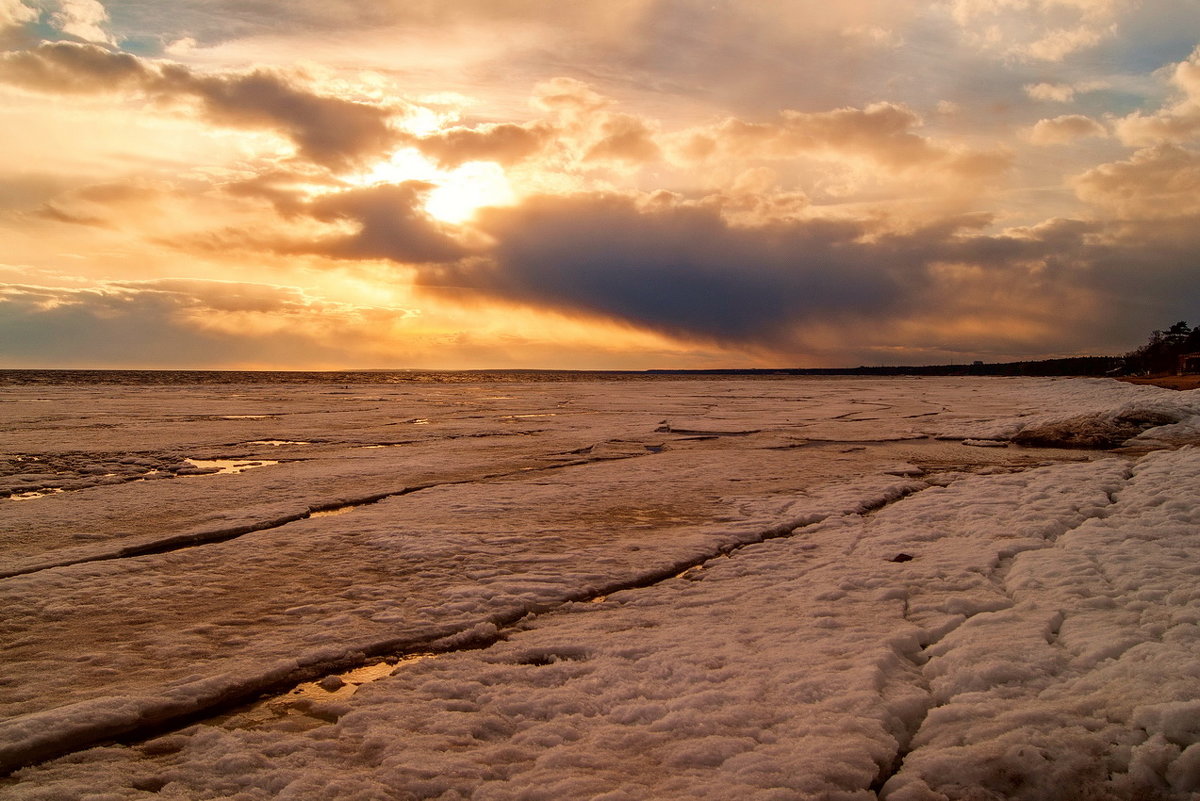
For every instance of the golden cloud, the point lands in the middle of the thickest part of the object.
(1064, 129)
(1155, 183)
(1178, 123)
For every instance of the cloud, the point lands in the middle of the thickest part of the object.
(103, 205)
(14, 13)
(586, 127)
(390, 225)
(383, 221)
(1178, 123)
(186, 323)
(211, 21)
(284, 189)
(503, 143)
(624, 137)
(84, 19)
(682, 270)
(1157, 182)
(836, 291)
(1037, 30)
(179, 324)
(52, 211)
(1064, 129)
(327, 130)
(881, 132)
(1058, 92)
(1187, 76)
(1057, 44)
(569, 96)
(65, 67)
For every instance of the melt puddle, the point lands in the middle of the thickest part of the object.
(29, 496)
(220, 466)
(337, 510)
(308, 705)
(276, 442)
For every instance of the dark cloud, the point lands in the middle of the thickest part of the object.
(390, 222)
(682, 270)
(65, 67)
(327, 130)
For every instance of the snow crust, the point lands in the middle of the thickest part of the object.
(1093, 413)
(860, 610)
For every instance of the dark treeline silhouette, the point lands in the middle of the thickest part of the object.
(1161, 354)
(1075, 365)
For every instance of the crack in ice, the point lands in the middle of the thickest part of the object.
(998, 577)
(214, 536)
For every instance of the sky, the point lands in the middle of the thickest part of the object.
(452, 184)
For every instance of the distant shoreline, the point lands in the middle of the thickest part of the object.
(1095, 366)
(1083, 366)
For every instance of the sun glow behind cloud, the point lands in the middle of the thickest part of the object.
(455, 194)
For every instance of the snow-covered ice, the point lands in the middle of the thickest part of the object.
(725, 588)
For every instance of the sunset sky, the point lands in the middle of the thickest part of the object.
(594, 184)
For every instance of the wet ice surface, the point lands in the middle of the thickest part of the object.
(676, 589)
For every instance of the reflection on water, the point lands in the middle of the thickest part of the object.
(229, 465)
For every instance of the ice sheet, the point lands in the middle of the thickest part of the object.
(920, 576)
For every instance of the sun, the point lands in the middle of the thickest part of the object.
(466, 189)
(456, 194)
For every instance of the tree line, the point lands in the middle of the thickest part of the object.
(1161, 353)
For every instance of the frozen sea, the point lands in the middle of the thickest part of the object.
(554, 586)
